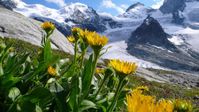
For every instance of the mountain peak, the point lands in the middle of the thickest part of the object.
(74, 6)
(138, 4)
(151, 32)
(171, 6)
(77, 12)
(136, 11)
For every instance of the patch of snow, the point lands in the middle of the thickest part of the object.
(59, 15)
(176, 40)
(38, 10)
(137, 12)
(158, 47)
(117, 50)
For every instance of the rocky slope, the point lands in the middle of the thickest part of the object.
(150, 42)
(18, 26)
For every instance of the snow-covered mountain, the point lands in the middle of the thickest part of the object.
(137, 11)
(177, 20)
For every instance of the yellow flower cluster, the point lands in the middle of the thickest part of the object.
(138, 102)
(182, 106)
(96, 40)
(52, 71)
(91, 38)
(164, 106)
(77, 31)
(48, 26)
(123, 66)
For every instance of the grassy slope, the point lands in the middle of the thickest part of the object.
(163, 90)
(157, 89)
(21, 47)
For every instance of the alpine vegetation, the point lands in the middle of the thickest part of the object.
(79, 83)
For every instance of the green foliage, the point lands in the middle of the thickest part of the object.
(28, 84)
(32, 81)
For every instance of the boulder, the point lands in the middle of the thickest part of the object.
(14, 25)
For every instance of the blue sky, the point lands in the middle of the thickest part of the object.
(113, 7)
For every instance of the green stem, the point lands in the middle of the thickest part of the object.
(105, 77)
(75, 51)
(117, 93)
(96, 56)
(82, 58)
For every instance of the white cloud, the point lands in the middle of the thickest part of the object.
(60, 3)
(158, 4)
(111, 5)
(124, 6)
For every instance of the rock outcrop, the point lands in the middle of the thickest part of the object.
(150, 43)
(151, 32)
(175, 7)
(14, 25)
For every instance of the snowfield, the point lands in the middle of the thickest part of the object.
(117, 50)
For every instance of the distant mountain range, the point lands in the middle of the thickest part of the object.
(166, 38)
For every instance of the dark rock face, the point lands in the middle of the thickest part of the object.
(90, 24)
(171, 6)
(112, 23)
(149, 42)
(174, 7)
(9, 4)
(151, 32)
(93, 22)
(177, 17)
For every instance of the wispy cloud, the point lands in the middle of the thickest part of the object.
(158, 4)
(60, 3)
(109, 4)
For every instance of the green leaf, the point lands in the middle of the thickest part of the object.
(22, 106)
(106, 98)
(40, 95)
(60, 99)
(73, 100)
(38, 109)
(86, 104)
(9, 81)
(87, 76)
(55, 87)
(14, 93)
(27, 106)
(1, 70)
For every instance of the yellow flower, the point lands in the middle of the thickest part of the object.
(123, 66)
(52, 71)
(137, 102)
(48, 26)
(11, 49)
(99, 70)
(95, 40)
(182, 106)
(164, 106)
(71, 39)
(77, 32)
